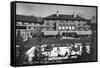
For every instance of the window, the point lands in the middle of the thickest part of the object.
(29, 27)
(64, 24)
(63, 34)
(84, 24)
(47, 23)
(86, 29)
(63, 28)
(60, 24)
(81, 29)
(79, 24)
(73, 27)
(34, 27)
(48, 28)
(19, 23)
(22, 35)
(59, 27)
(66, 27)
(69, 28)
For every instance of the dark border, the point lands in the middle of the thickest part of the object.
(97, 33)
(13, 32)
(12, 35)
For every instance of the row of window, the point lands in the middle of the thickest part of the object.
(66, 28)
(66, 24)
(72, 28)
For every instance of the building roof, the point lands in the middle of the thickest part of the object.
(65, 17)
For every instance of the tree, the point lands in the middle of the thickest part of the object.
(19, 38)
(20, 49)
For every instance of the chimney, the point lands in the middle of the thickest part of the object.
(57, 13)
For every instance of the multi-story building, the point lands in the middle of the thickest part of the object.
(27, 25)
(52, 24)
(67, 23)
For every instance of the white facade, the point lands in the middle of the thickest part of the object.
(30, 28)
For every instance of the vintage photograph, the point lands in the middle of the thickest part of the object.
(55, 34)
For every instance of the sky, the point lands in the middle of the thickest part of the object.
(43, 10)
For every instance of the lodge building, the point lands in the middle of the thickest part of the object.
(67, 23)
(53, 24)
(27, 25)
